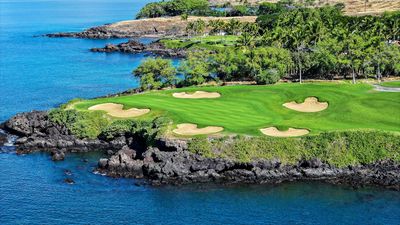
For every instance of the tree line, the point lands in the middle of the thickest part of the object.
(296, 43)
(194, 8)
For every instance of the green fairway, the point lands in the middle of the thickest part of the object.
(391, 84)
(208, 42)
(246, 109)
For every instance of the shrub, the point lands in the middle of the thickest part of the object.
(145, 130)
(79, 123)
(336, 148)
(117, 128)
(201, 146)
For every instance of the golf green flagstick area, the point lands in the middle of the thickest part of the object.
(247, 109)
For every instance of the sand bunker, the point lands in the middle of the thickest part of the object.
(292, 132)
(311, 104)
(116, 110)
(191, 129)
(197, 94)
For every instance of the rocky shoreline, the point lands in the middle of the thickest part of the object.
(152, 27)
(133, 46)
(100, 32)
(36, 132)
(183, 167)
(170, 162)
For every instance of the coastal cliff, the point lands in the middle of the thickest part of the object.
(169, 161)
(152, 27)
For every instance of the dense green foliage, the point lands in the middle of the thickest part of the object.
(264, 65)
(246, 109)
(195, 69)
(156, 73)
(325, 43)
(192, 7)
(173, 8)
(336, 148)
(82, 124)
(146, 130)
(92, 124)
(293, 42)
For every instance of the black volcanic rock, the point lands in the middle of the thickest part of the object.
(3, 139)
(37, 133)
(181, 167)
(100, 32)
(133, 46)
(58, 155)
(69, 181)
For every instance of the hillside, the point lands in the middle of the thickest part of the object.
(353, 7)
(151, 27)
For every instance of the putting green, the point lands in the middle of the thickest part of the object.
(247, 109)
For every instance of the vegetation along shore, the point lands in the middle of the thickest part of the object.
(185, 124)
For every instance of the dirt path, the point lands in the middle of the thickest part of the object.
(386, 89)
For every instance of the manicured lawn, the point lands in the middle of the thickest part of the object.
(391, 84)
(208, 42)
(246, 109)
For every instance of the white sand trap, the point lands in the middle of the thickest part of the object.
(191, 129)
(291, 132)
(311, 104)
(116, 110)
(197, 94)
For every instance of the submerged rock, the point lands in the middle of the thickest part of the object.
(68, 172)
(69, 181)
(58, 155)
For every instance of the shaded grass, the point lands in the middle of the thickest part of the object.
(391, 84)
(246, 109)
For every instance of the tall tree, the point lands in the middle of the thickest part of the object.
(156, 73)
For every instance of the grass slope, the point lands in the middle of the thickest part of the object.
(246, 109)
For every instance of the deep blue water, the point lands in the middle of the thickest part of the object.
(40, 73)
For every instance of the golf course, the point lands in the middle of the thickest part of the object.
(248, 109)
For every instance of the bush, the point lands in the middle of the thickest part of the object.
(269, 76)
(156, 73)
(81, 124)
(173, 8)
(201, 146)
(145, 130)
(336, 148)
